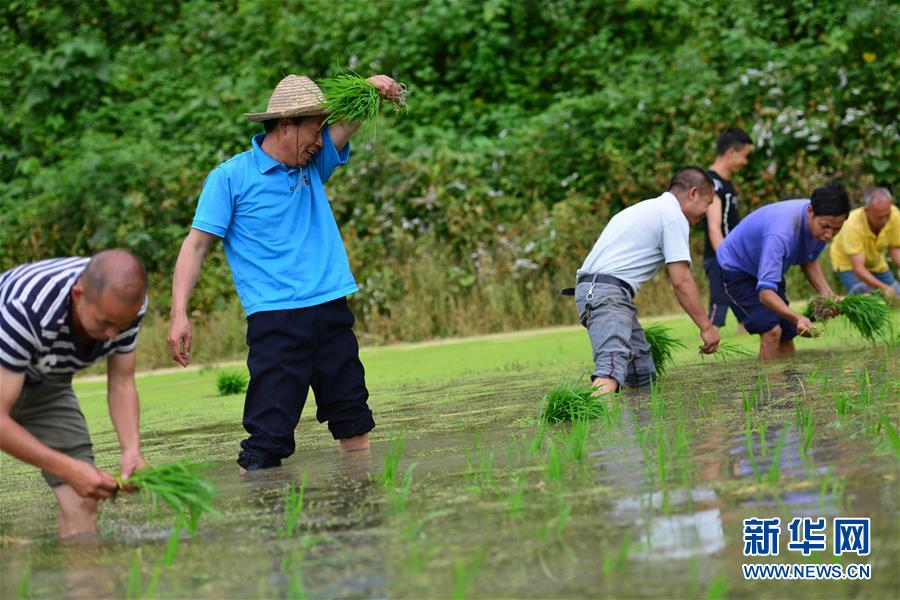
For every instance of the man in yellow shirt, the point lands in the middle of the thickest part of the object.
(857, 251)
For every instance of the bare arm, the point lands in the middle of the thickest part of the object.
(689, 298)
(15, 440)
(187, 270)
(858, 261)
(714, 222)
(124, 410)
(341, 132)
(771, 300)
(813, 271)
(895, 256)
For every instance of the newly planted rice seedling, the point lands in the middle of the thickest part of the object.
(400, 494)
(614, 562)
(466, 572)
(293, 507)
(576, 442)
(662, 345)
(24, 583)
(134, 588)
(806, 426)
(891, 433)
(570, 402)
(867, 313)
(230, 383)
(554, 467)
(392, 462)
(179, 486)
(773, 475)
(350, 98)
(516, 497)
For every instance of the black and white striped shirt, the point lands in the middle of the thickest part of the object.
(35, 322)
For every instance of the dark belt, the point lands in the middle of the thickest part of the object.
(599, 279)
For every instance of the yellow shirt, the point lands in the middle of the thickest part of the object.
(856, 237)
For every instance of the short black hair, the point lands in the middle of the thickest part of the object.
(271, 124)
(691, 176)
(120, 270)
(830, 200)
(732, 138)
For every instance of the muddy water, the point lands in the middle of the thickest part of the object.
(653, 508)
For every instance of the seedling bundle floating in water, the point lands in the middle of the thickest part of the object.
(350, 97)
(179, 486)
(570, 403)
(868, 314)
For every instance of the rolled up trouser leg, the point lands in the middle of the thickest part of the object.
(608, 314)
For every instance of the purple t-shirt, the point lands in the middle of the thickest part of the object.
(769, 241)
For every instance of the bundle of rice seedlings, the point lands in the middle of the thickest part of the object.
(662, 345)
(179, 486)
(350, 97)
(728, 350)
(867, 313)
(231, 382)
(571, 402)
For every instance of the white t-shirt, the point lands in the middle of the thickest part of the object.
(637, 240)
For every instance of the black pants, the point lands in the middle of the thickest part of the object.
(291, 350)
(718, 299)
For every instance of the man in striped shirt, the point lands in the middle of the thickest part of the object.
(58, 316)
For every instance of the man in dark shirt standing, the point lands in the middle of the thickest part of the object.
(732, 149)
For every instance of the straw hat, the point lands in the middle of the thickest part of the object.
(294, 96)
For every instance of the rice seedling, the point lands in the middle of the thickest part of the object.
(24, 583)
(293, 507)
(806, 425)
(556, 525)
(392, 457)
(537, 442)
(296, 590)
(773, 474)
(516, 497)
(167, 559)
(884, 424)
(869, 314)
(400, 494)
(662, 346)
(230, 383)
(569, 402)
(465, 574)
(179, 486)
(554, 467)
(614, 562)
(842, 403)
(718, 587)
(576, 442)
(729, 350)
(761, 430)
(350, 98)
(134, 587)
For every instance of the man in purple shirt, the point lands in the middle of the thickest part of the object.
(760, 250)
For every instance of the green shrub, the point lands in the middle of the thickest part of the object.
(230, 383)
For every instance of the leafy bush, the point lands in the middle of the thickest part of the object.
(529, 124)
(230, 383)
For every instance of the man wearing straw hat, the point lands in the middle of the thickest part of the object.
(269, 207)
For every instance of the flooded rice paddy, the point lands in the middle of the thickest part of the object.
(485, 501)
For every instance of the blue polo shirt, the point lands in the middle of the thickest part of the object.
(769, 241)
(281, 240)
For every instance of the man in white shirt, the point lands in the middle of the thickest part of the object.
(629, 251)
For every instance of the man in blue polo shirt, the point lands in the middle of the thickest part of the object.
(269, 207)
(758, 252)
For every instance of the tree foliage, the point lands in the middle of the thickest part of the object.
(529, 123)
